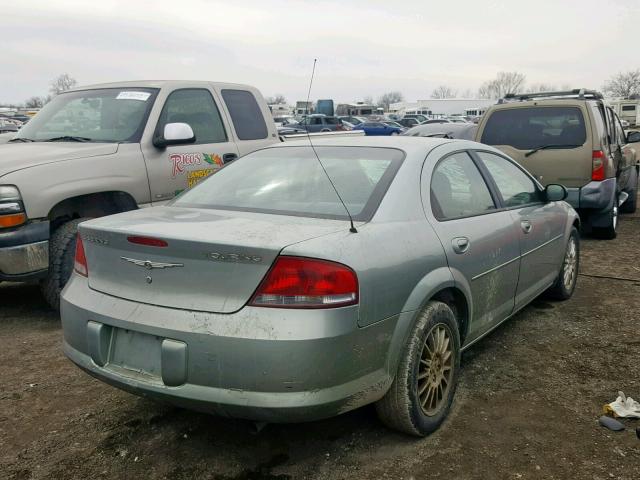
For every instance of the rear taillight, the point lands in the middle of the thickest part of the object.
(598, 165)
(80, 262)
(299, 282)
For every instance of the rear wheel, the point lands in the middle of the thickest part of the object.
(565, 284)
(611, 230)
(62, 248)
(631, 205)
(422, 392)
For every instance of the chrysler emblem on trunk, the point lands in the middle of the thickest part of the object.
(149, 265)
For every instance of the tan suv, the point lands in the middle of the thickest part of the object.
(574, 139)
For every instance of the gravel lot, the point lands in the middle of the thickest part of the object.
(527, 406)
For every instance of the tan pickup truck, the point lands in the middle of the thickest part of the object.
(105, 149)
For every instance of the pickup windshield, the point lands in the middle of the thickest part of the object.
(291, 181)
(110, 115)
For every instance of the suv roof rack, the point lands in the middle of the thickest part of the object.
(580, 93)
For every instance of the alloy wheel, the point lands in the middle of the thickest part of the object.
(435, 373)
(570, 263)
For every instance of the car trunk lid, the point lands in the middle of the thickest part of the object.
(213, 259)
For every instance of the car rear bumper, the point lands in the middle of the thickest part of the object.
(264, 364)
(24, 252)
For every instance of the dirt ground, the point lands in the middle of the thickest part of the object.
(527, 407)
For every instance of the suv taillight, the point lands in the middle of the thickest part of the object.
(80, 262)
(299, 282)
(598, 165)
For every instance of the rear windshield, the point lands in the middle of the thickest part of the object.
(291, 181)
(529, 128)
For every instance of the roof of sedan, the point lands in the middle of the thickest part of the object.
(408, 144)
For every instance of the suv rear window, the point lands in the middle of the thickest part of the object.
(291, 181)
(529, 128)
(246, 114)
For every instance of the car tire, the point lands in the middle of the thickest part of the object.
(395, 133)
(631, 205)
(62, 248)
(565, 283)
(414, 404)
(611, 231)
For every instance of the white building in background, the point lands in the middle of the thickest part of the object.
(280, 110)
(443, 107)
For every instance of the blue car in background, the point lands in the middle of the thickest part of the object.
(379, 128)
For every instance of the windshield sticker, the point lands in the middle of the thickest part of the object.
(142, 96)
(180, 161)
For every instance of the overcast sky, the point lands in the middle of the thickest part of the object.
(363, 47)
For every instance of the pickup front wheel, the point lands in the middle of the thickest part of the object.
(62, 249)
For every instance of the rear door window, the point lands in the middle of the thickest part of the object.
(246, 115)
(529, 128)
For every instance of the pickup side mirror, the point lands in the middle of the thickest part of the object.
(555, 193)
(175, 134)
(633, 137)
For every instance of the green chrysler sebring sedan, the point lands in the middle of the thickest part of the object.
(300, 281)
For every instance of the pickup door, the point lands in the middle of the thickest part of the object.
(177, 167)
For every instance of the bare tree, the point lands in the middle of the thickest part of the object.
(444, 92)
(388, 98)
(276, 99)
(623, 84)
(467, 94)
(35, 102)
(541, 87)
(61, 84)
(368, 100)
(503, 84)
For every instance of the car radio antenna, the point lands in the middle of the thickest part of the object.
(353, 228)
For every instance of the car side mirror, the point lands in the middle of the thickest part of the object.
(555, 193)
(175, 134)
(633, 137)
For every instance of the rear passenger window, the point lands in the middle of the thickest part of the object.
(195, 107)
(458, 189)
(532, 127)
(246, 114)
(514, 185)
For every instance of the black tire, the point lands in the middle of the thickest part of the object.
(401, 408)
(631, 205)
(62, 249)
(611, 231)
(564, 287)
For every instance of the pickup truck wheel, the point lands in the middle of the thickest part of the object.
(62, 249)
(566, 281)
(422, 392)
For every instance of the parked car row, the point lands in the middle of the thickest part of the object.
(277, 255)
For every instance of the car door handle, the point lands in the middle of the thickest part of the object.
(229, 157)
(460, 244)
(526, 226)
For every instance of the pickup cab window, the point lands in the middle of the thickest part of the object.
(246, 115)
(195, 107)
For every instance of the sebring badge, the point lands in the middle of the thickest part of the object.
(149, 265)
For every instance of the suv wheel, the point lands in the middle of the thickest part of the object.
(631, 204)
(609, 232)
(422, 392)
(62, 249)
